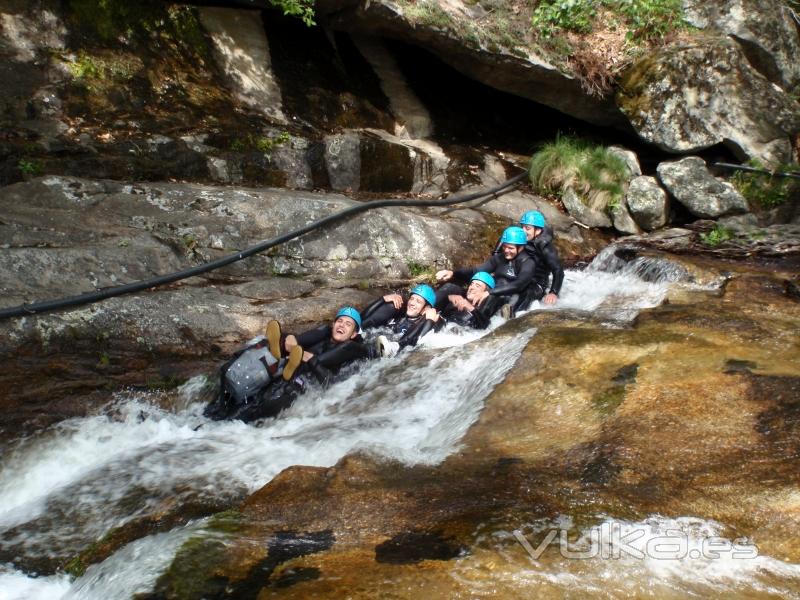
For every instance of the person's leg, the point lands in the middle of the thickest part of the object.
(293, 361)
(274, 339)
(413, 335)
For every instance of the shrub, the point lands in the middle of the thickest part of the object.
(598, 176)
(645, 19)
(765, 189)
(29, 167)
(716, 236)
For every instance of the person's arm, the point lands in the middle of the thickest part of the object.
(482, 314)
(380, 312)
(325, 365)
(413, 335)
(554, 264)
(309, 338)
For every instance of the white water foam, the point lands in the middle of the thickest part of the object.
(656, 557)
(99, 472)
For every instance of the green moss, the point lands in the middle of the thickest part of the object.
(229, 521)
(607, 401)
(191, 573)
(259, 142)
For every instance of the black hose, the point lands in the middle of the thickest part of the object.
(137, 286)
(759, 171)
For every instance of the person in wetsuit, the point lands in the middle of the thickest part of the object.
(541, 248)
(473, 307)
(512, 269)
(265, 378)
(409, 320)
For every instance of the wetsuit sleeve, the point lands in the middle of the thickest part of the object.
(483, 313)
(554, 264)
(312, 337)
(413, 335)
(325, 365)
(378, 313)
(525, 274)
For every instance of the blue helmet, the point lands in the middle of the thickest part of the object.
(533, 217)
(425, 292)
(484, 277)
(514, 235)
(349, 311)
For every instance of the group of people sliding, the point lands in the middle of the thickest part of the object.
(266, 376)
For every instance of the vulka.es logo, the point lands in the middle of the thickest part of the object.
(608, 541)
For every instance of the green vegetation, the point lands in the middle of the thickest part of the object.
(420, 271)
(607, 401)
(259, 142)
(98, 71)
(767, 190)
(29, 167)
(302, 9)
(109, 20)
(597, 176)
(716, 236)
(644, 19)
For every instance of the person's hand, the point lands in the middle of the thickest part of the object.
(459, 302)
(431, 314)
(481, 298)
(289, 343)
(550, 298)
(444, 275)
(395, 299)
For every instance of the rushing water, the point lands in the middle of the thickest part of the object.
(66, 487)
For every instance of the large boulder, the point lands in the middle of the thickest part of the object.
(647, 202)
(764, 29)
(692, 97)
(690, 182)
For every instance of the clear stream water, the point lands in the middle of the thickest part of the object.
(67, 486)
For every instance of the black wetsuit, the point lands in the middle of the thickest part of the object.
(330, 356)
(409, 330)
(278, 394)
(512, 277)
(544, 254)
(479, 317)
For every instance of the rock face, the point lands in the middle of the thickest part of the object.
(590, 421)
(623, 220)
(526, 75)
(693, 97)
(583, 214)
(647, 202)
(241, 49)
(691, 184)
(765, 30)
